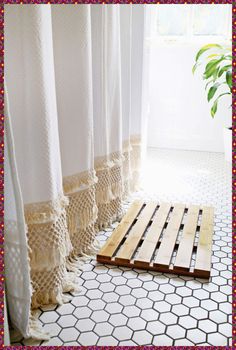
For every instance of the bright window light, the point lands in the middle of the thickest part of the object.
(190, 22)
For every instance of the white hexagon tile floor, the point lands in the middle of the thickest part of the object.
(120, 306)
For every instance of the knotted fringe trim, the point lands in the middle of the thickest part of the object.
(79, 182)
(109, 174)
(81, 215)
(108, 161)
(43, 212)
(36, 330)
(109, 189)
(49, 243)
(109, 213)
(49, 286)
(79, 256)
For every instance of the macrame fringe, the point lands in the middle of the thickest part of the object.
(36, 330)
(79, 182)
(49, 243)
(82, 219)
(44, 212)
(55, 294)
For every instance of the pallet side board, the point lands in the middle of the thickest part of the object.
(162, 237)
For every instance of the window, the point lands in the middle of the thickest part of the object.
(190, 22)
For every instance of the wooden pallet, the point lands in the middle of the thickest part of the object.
(167, 238)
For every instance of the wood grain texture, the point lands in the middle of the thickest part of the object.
(204, 249)
(150, 227)
(149, 245)
(113, 242)
(136, 232)
(169, 238)
(185, 250)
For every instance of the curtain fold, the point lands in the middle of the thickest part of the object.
(73, 71)
(30, 72)
(107, 112)
(74, 75)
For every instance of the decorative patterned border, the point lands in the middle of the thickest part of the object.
(2, 155)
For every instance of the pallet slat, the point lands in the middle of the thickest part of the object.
(136, 232)
(149, 245)
(148, 227)
(113, 242)
(165, 251)
(184, 253)
(204, 250)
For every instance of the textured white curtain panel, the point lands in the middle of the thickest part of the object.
(74, 76)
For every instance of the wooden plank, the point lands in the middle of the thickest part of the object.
(148, 247)
(119, 233)
(204, 248)
(169, 238)
(184, 253)
(136, 233)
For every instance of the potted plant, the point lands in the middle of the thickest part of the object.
(217, 61)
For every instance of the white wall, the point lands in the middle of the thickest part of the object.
(179, 112)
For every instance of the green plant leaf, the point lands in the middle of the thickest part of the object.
(205, 48)
(211, 67)
(213, 55)
(224, 69)
(212, 91)
(209, 82)
(195, 67)
(229, 78)
(215, 74)
(214, 108)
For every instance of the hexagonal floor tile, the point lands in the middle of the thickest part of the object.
(136, 323)
(69, 334)
(110, 297)
(85, 325)
(52, 328)
(162, 340)
(123, 290)
(156, 296)
(173, 299)
(207, 325)
(156, 327)
(180, 310)
(127, 300)
(49, 317)
(103, 329)
(139, 293)
(168, 318)
(96, 304)
(118, 320)
(67, 321)
(142, 337)
(175, 331)
(82, 312)
(131, 311)
(188, 322)
(113, 308)
(196, 336)
(150, 315)
(217, 339)
(65, 309)
(100, 316)
(88, 339)
(107, 341)
(122, 333)
(144, 303)
(134, 283)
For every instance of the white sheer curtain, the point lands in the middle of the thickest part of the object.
(74, 76)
